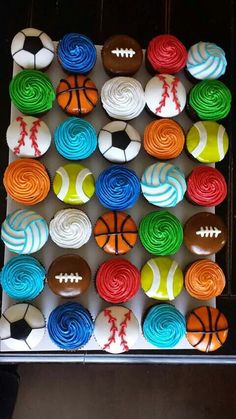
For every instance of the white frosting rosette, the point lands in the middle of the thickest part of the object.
(123, 98)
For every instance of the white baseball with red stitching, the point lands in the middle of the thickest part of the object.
(116, 329)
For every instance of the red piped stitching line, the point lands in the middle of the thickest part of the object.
(33, 137)
(122, 333)
(113, 329)
(23, 134)
(174, 84)
(165, 87)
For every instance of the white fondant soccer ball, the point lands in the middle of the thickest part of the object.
(22, 326)
(119, 142)
(32, 49)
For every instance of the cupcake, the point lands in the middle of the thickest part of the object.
(123, 98)
(165, 96)
(70, 228)
(76, 53)
(162, 278)
(22, 327)
(24, 232)
(164, 139)
(22, 278)
(161, 233)
(207, 142)
(70, 326)
(119, 142)
(164, 326)
(207, 328)
(116, 329)
(118, 188)
(204, 279)
(28, 137)
(121, 55)
(32, 49)
(77, 95)
(115, 232)
(73, 184)
(75, 139)
(205, 234)
(209, 100)
(163, 185)
(206, 186)
(69, 276)
(205, 61)
(117, 280)
(26, 181)
(165, 54)
(32, 92)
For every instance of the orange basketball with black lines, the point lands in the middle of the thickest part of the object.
(115, 232)
(77, 95)
(207, 328)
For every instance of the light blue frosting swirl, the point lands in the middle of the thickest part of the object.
(118, 188)
(22, 278)
(70, 326)
(76, 53)
(164, 326)
(75, 139)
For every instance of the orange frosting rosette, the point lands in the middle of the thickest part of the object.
(204, 279)
(26, 181)
(164, 139)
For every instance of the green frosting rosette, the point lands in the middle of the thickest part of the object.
(210, 100)
(32, 92)
(161, 233)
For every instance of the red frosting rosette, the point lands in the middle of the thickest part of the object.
(166, 54)
(117, 280)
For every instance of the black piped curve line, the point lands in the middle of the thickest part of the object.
(203, 331)
(108, 231)
(127, 232)
(77, 93)
(116, 236)
(89, 88)
(69, 91)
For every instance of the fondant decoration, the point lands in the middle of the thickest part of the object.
(119, 142)
(163, 184)
(24, 231)
(206, 60)
(116, 329)
(162, 278)
(70, 228)
(73, 184)
(76, 53)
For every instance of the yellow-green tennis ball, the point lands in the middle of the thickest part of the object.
(162, 278)
(74, 184)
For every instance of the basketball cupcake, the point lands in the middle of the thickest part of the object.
(77, 95)
(117, 280)
(26, 181)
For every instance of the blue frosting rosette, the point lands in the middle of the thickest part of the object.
(118, 188)
(75, 139)
(76, 53)
(164, 326)
(22, 278)
(70, 326)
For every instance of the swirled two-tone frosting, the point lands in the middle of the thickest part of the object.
(70, 228)
(123, 98)
(76, 53)
(206, 60)
(161, 233)
(164, 139)
(32, 92)
(75, 138)
(206, 186)
(22, 278)
(166, 54)
(26, 181)
(118, 188)
(164, 326)
(117, 280)
(163, 184)
(204, 279)
(70, 326)
(210, 100)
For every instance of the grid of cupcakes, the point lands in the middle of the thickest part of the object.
(118, 188)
